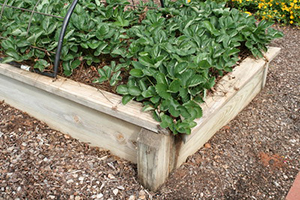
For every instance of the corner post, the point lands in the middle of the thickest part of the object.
(155, 158)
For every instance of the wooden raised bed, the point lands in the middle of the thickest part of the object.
(99, 118)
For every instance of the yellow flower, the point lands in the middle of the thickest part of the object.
(249, 13)
(291, 17)
(291, 22)
(295, 1)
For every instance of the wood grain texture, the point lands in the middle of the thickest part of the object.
(77, 120)
(233, 92)
(154, 158)
(85, 95)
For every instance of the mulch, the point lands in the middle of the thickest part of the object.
(255, 156)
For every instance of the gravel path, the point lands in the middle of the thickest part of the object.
(256, 156)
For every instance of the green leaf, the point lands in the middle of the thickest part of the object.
(136, 73)
(161, 90)
(155, 99)
(148, 108)
(18, 32)
(33, 38)
(175, 86)
(100, 49)
(115, 78)
(120, 51)
(126, 99)
(122, 89)
(184, 77)
(210, 27)
(13, 53)
(149, 92)
(75, 64)
(181, 67)
(204, 64)
(184, 112)
(121, 22)
(194, 109)
(134, 91)
(46, 23)
(6, 44)
(102, 31)
(94, 44)
(102, 72)
(7, 60)
(166, 121)
(195, 80)
(41, 64)
(147, 61)
(161, 78)
(210, 83)
(142, 84)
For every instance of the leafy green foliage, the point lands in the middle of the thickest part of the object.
(172, 55)
(175, 57)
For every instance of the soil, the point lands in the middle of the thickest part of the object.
(255, 156)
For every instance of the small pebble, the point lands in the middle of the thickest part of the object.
(51, 196)
(110, 176)
(207, 145)
(121, 187)
(115, 191)
(70, 181)
(132, 197)
(77, 198)
(142, 194)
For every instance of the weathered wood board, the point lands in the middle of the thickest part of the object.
(99, 118)
(78, 120)
(233, 93)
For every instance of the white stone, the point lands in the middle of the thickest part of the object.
(115, 191)
(121, 187)
(110, 176)
(132, 197)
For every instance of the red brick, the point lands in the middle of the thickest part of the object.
(294, 193)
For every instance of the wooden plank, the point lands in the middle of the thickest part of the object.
(77, 120)
(155, 158)
(234, 92)
(265, 75)
(85, 95)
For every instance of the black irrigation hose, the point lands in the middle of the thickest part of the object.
(62, 35)
(162, 3)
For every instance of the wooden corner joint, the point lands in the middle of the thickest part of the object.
(155, 158)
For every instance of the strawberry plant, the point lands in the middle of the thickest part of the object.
(173, 55)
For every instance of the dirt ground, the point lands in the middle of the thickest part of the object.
(255, 156)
